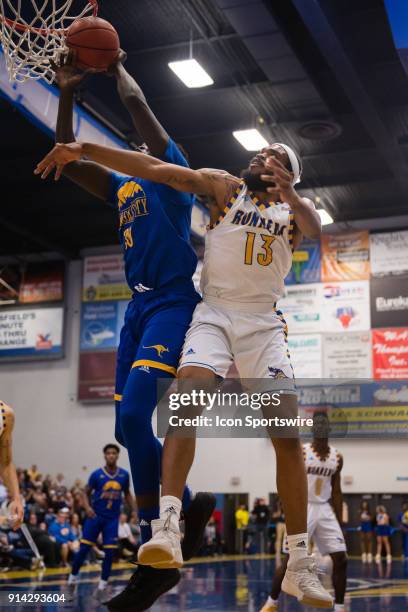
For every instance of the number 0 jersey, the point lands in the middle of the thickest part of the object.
(320, 473)
(154, 230)
(248, 253)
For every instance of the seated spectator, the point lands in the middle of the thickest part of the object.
(134, 526)
(33, 473)
(23, 557)
(76, 526)
(39, 506)
(63, 535)
(127, 543)
(47, 547)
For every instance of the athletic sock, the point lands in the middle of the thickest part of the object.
(72, 579)
(298, 547)
(167, 502)
(146, 516)
(339, 608)
(271, 602)
(102, 584)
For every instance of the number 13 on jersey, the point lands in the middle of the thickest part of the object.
(264, 257)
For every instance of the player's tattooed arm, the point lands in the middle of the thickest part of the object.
(92, 177)
(146, 123)
(215, 184)
(337, 495)
(7, 468)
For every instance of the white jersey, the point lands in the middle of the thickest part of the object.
(320, 474)
(248, 253)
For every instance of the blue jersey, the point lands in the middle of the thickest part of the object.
(107, 490)
(154, 230)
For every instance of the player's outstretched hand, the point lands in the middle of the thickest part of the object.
(66, 74)
(113, 69)
(16, 514)
(280, 177)
(60, 155)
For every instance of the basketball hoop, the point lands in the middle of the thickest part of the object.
(34, 34)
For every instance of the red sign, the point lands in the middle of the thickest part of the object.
(97, 376)
(390, 352)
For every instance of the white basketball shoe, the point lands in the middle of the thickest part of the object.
(302, 582)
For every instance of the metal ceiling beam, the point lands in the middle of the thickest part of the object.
(333, 51)
(185, 44)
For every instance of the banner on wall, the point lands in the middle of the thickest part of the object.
(101, 323)
(306, 355)
(346, 306)
(347, 355)
(389, 302)
(302, 308)
(43, 283)
(389, 253)
(97, 376)
(305, 263)
(345, 256)
(31, 332)
(104, 279)
(390, 353)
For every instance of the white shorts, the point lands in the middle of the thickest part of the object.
(255, 342)
(324, 529)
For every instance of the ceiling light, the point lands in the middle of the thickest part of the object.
(251, 140)
(191, 73)
(325, 218)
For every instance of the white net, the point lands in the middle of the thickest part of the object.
(32, 32)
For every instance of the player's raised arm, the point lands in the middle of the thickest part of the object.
(146, 123)
(92, 177)
(8, 470)
(212, 183)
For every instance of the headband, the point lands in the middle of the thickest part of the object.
(293, 162)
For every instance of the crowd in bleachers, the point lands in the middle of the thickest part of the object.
(54, 514)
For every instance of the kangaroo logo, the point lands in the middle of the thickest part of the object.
(159, 348)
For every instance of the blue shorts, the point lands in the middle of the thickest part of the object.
(366, 527)
(109, 528)
(383, 530)
(153, 333)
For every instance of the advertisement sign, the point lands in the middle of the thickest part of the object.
(101, 323)
(302, 308)
(305, 263)
(389, 302)
(346, 306)
(104, 279)
(389, 253)
(33, 332)
(43, 283)
(306, 355)
(345, 256)
(390, 353)
(347, 355)
(97, 376)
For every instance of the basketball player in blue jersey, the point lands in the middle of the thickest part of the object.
(255, 225)
(154, 231)
(107, 488)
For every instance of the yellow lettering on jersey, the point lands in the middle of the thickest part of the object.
(138, 208)
(127, 191)
(128, 238)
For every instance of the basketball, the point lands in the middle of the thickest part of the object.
(95, 42)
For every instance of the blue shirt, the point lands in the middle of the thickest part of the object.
(61, 532)
(107, 490)
(154, 230)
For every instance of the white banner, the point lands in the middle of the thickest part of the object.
(346, 306)
(347, 355)
(104, 278)
(302, 308)
(31, 332)
(306, 355)
(389, 253)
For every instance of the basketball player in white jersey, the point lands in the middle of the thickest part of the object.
(255, 225)
(323, 467)
(7, 469)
